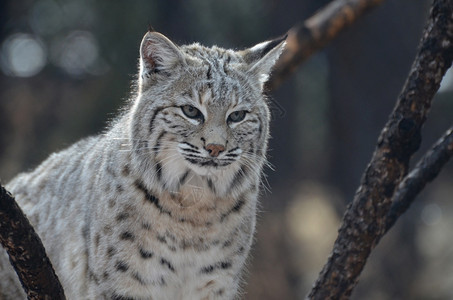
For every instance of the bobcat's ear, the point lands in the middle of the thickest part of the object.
(158, 53)
(262, 57)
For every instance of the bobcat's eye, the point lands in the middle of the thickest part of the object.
(237, 116)
(191, 112)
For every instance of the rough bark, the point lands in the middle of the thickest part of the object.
(364, 222)
(26, 252)
(424, 172)
(315, 33)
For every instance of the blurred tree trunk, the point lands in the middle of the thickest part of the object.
(282, 151)
(3, 123)
(361, 101)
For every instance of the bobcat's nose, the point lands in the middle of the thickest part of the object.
(214, 149)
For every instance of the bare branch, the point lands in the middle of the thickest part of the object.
(364, 221)
(26, 252)
(315, 33)
(425, 171)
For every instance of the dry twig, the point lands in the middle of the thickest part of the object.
(315, 33)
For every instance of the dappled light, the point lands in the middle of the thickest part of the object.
(78, 53)
(23, 55)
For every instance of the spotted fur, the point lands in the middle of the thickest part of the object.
(161, 206)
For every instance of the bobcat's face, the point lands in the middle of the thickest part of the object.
(202, 109)
(211, 131)
(212, 137)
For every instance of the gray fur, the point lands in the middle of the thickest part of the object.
(143, 211)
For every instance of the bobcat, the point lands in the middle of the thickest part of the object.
(163, 204)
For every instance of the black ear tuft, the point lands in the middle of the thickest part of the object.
(151, 28)
(272, 44)
(261, 58)
(257, 52)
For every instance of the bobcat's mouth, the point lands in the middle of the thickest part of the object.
(194, 156)
(207, 162)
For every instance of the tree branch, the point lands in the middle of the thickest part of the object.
(364, 221)
(315, 33)
(26, 252)
(425, 171)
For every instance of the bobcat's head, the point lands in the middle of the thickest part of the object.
(201, 112)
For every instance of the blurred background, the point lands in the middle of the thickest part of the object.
(66, 67)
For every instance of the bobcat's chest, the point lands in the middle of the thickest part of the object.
(180, 267)
(166, 247)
